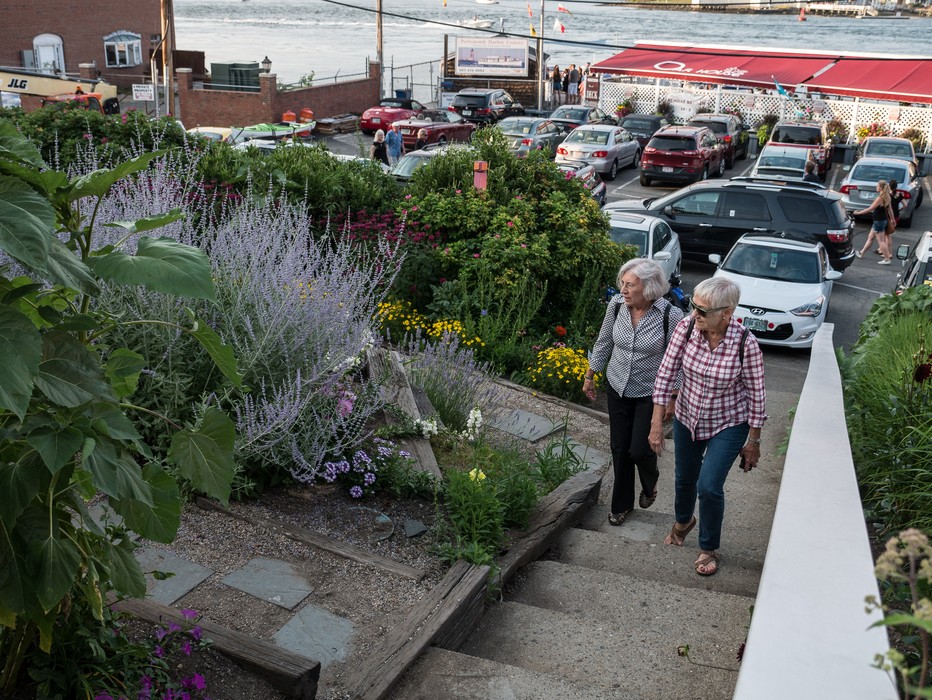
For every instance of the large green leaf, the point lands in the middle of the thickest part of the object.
(148, 223)
(19, 483)
(11, 577)
(56, 445)
(122, 369)
(43, 181)
(27, 223)
(97, 183)
(15, 146)
(64, 267)
(160, 264)
(158, 522)
(116, 473)
(205, 457)
(54, 561)
(221, 354)
(125, 572)
(109, 420)
(21, 350)
(70, 374)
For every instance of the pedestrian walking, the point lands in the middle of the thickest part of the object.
(719, 412)
(394, 143)
(421, 140)
(896, 202)
(379, 151)
(635, 333)
(572, 89)
(880, 213)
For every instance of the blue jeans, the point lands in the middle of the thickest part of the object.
(701, 469)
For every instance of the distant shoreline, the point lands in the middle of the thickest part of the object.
(725, 8)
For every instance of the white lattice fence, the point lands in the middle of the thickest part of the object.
(854, 114)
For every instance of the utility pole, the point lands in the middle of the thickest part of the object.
(168, 45)
(540, 61)
(378, 42)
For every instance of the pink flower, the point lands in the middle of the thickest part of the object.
(459, 191)
(344, 407)
(524, 245)
(407, 196)
(511, 223)
(476, 255)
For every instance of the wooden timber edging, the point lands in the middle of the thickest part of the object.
(453, 608)
(316, 539)
(292, 674)
(600, 415)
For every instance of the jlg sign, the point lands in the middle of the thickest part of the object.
(18, 84)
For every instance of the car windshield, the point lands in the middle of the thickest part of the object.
(391, 103)
(570, 113)
(407, 165)
(872, 173)
(586, 136)
(808, 135)
(638, 125)
(629, 236)
(469, 101)
(518, 126)
(673, 143)
(885, 148)
(773, 263)
(766, 161)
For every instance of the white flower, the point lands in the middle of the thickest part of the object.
(427, 426)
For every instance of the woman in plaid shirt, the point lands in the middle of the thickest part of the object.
(718, 414)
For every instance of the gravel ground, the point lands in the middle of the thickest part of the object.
(372, 599)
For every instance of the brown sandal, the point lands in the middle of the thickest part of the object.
(707, 563)
(618, 518)
(646, 501)
(678, 533)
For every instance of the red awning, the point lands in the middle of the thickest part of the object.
(901, 79)
(716, 65)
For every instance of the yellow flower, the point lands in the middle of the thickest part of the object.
(476, 474)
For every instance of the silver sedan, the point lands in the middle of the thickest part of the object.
(526, 134)
(606, 148)
(859, 188)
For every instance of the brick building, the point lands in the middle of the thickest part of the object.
(117, 36)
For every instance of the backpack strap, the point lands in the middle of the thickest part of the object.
(741, 343)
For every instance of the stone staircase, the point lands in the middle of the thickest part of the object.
(609, 610)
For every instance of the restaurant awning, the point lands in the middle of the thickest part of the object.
(716, 65)
(904, 80)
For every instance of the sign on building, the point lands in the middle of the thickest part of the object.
(492, 56)
(143, 93)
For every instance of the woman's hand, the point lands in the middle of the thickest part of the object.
(750, 455)
(588, 388)
(655, 437)
(670, 409)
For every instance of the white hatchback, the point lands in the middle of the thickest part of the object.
(786, 286)
(651, 235)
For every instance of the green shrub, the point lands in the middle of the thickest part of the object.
(474, 509)
(556, 463)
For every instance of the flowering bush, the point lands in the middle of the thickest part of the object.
(559, 371)
(398, 319)
(916, 137)
(361, 471)
(875, 129)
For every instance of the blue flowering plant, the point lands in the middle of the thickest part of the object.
(364, 471)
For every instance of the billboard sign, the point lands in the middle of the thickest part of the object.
(491, 56)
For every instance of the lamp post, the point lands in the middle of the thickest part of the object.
(266, 65)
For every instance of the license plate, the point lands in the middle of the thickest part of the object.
(667, 169)
(467, 112)
(755, 324)
(376, 120)
(407, 131)
(866, 195)
(578, 154)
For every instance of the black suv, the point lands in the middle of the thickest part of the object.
(485, 106)
(710, 216)
(730, 132)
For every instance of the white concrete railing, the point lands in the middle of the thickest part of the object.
(808, 636)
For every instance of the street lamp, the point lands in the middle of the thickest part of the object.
(266, 65)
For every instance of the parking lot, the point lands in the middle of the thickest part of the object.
(861, 284)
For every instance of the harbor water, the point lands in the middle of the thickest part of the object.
(327, 39)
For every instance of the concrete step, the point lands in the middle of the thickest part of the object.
(634, 649)
(448, 675)
(642, 554)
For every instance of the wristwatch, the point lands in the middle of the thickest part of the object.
(753, 441)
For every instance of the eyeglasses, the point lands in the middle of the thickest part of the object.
(703, 312)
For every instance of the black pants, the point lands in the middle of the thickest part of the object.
(629, 426)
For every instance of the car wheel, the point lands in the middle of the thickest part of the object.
(613, 171)
(645, 180)
(731, 161)
(704, 175)
(744, 152)
(919, 199)
(636, 159)
(721, 168)
(442, 139)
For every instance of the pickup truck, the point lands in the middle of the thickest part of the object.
(811, 135)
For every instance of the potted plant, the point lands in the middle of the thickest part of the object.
(915, 136)
(837, 131)
(624, 108)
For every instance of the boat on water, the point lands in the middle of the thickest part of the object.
(802, 14)
(276, 130)
(486, 2)
(476, 23)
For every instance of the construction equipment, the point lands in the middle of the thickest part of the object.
(95, 95)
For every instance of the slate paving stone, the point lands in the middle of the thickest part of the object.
(103, 514)
(270, 580)
(525, 425)
(187, 574)
(375, 526)
(414, 528)
(591, 458)
(317, 634)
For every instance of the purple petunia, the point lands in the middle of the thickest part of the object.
(356, 492)
(369, 479)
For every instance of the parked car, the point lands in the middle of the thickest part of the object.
(781, 162)
(730, 131)
(604, 147)
(682, 154)
(786, 287)
(859, 188)
(651, 235)
(389, 111)
(643, 126)
(711, 216)
(409, 162)
(811, 135)
(590, 178)
(526, 134)
(918, 269)
(485, 106)
(441, 125)
(887, 147)
(571, 116)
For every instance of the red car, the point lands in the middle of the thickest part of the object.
(441, 126)
(388, 112)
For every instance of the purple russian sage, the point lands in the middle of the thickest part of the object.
(296, 304)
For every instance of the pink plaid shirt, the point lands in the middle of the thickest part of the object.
(717, 391)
